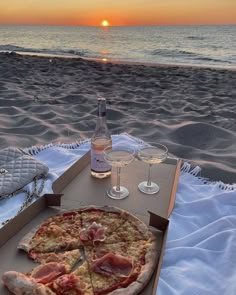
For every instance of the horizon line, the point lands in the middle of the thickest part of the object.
(136, 25)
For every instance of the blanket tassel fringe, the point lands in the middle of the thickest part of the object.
(187, 168)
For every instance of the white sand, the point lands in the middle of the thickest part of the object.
(191, 110)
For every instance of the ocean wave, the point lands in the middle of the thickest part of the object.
(162, 51)
(197, 38)
(185, 55)
(69, 52)
(210, 59)
(172, 52)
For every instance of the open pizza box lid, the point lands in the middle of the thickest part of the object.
(78, 189)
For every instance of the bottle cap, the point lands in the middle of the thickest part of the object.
(100, 98)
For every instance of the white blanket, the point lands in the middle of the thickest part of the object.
(200, 251)
(199, 257)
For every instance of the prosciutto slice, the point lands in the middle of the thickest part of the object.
(113, 264)
(48, 272)
(20, 284)
(94, 232)
(67, 283)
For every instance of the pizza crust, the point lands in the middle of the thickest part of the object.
(151, 259)
(133, 289)
(109, 209)
(24, 243)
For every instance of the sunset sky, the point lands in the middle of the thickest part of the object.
(117, 12)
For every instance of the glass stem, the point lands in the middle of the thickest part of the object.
(149, 175)
(118, 179)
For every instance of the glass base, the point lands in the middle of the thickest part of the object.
(148, 189)
(118, 195)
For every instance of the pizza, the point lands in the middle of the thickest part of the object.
(88, 251)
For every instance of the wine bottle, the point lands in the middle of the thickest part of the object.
(99, 141)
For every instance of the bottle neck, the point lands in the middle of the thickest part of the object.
(101, 129)
(101, 113)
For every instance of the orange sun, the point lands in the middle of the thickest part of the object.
(105, 23)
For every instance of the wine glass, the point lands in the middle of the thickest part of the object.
(118, 156)
(151, 153)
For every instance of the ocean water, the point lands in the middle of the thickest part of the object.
(213, 46)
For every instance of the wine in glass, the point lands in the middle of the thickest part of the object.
(152, 153)
(118, 156)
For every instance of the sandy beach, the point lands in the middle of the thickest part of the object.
(190, 109)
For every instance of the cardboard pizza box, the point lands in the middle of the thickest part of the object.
(78, 189)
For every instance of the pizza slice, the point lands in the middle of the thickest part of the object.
(111, 272)
(68, 258)
(59, 232)
(76, 283)
(82, 272)
(103, 283)
(124, 266)
(131, 230)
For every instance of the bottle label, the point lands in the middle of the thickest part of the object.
(97, 161)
